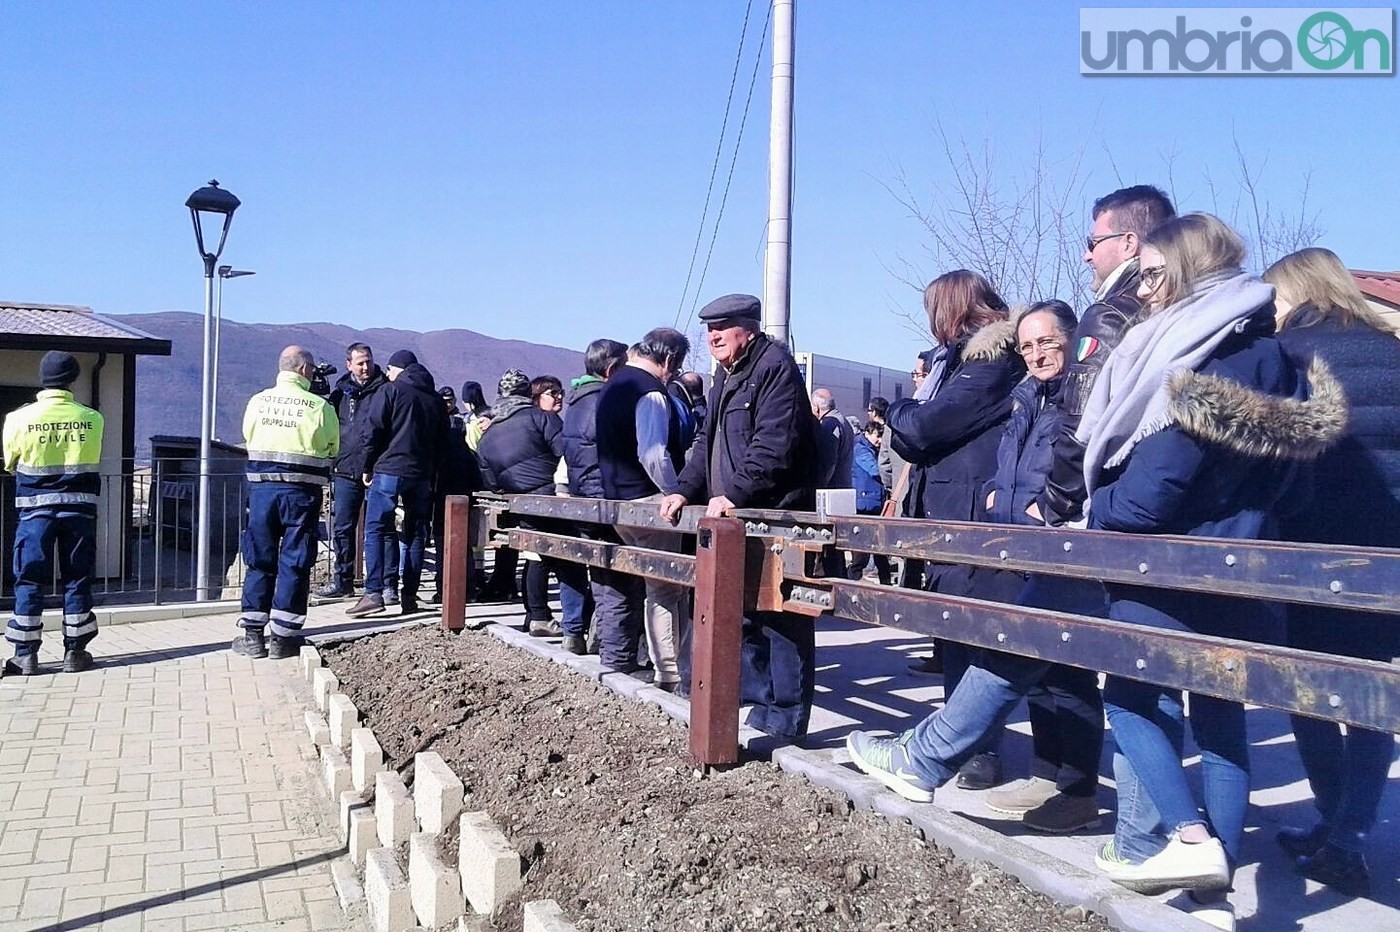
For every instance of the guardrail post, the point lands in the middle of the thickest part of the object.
(454, 563)
(719, 617)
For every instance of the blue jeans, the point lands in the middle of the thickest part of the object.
(1138, 832)
(75, 534)
(1347, 775)
(279, 547)
(575, 598)
(620, 599)
(381, 543)
(778, 671)
(348, 497)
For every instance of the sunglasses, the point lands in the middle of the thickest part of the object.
(1092, 242)
(1152, 277)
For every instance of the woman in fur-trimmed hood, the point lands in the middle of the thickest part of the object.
(1197, 425)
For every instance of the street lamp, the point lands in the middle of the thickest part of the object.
(225, 273)
(209, 206)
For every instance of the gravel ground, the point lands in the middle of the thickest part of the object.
(598, 796)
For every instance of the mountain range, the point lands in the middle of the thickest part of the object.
(168, 387)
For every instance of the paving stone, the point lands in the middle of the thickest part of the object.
(434, 888)
(437, 792)
(324, 684)
(393, 809)
(343, 718)
(545, 916)
(489, 866)
(366, 759)
(386, 892)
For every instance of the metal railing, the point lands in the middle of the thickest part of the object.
(768, 560)
(146, 533)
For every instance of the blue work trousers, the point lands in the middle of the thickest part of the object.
(778, 672)
(75, 536)
(279, 548)
(381, 543)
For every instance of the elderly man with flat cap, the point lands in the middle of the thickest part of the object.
(53, 447)
(758, 450)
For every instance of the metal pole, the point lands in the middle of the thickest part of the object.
(777, 263)
(201, 565)
(214, 388)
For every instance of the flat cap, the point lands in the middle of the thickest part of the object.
(733, 307)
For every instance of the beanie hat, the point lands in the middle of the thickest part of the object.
(403, 359)
(58, 369)
(513, 382)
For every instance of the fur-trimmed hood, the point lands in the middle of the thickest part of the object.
(991, 342)
(1257, 425)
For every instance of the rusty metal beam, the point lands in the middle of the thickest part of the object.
(1343, 577)
(454, 563)
(638, 561)
(604, 511)
(1358, 692)
(719, 619)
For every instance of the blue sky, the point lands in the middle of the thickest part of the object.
(537, 171)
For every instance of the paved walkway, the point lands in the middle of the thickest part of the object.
(173, 788)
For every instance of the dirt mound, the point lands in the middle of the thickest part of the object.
(611, 820)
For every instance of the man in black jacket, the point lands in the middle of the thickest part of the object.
(758, 450)
(352, 392)
(405, 437)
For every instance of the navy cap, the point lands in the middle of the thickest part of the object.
(733, 307)
(402, 359)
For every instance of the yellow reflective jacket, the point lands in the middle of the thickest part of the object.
(292, 434)
(54, 447)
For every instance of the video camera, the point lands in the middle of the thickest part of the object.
(320, 381)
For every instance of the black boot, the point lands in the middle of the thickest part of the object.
(280, 648)
(22, 665)
(250, 643)
(1342, 870)
(76, 660)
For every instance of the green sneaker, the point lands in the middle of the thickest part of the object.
(1107, 858)
(886, 760)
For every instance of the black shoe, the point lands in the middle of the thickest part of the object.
(981, 773)
(436, 599)
(22, 665)
(932, 665)
(333, 590)
(369, 603)
(76, 660)
(251, 643)
(1342, 870)
(281, 648)
(408, 607)
(1302, 842)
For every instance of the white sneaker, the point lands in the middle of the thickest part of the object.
(1180, 865)
(1217, 913)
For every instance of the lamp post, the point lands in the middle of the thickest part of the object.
(209, 207)
(225, 273)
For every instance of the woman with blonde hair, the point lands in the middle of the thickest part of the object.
(1196, 426)
(1356, 501)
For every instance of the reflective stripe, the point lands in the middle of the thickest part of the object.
(257, 618)
(18, 635)
(285, 624)
(302, 477)
(61, 470)
(293, 459)
(55, 498)
(27, 622)
(88, 626)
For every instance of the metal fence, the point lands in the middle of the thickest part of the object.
(770, 560)
(146, 524)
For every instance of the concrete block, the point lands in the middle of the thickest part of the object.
(490, 867)
(366, 759)
(434, 888)
(310, 660)
(347, 884)
(390, 908)
(350, 800)
(546, 916)
(393, 809)
(437, 792)
(335, 769)
(324, 684)
(317, 728)
(362, 835)
(344, 718)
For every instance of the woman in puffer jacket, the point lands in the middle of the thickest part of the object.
(1355, 500)
(1197, 426)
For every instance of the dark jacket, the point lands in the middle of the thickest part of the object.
(405, 429)
(580, 433)
(836, 442)
(1026, 450)
(1356, 484)
(759, 442)
(521, 449)
(459, 473)
(1100, 329)
(865, 478)
(349, 397)
(624, 476)
(1241, 426)
(951, 439)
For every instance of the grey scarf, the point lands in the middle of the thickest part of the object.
(1129, 401)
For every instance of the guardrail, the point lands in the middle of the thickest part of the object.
(770, 560)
